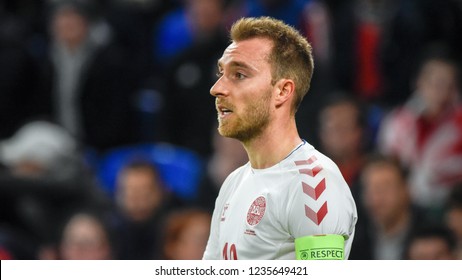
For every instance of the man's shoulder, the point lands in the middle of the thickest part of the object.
(307, 155)
(313, 165)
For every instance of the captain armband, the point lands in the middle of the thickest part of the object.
(320, 247)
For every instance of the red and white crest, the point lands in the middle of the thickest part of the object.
(256, 211)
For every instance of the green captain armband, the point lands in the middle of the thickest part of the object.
(320, 247)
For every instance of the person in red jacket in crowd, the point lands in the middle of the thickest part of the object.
(425, 133)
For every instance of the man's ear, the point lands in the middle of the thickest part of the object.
(285, 91)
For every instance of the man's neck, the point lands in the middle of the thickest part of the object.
(272, 145)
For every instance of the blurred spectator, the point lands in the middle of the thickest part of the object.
(343, 137)
(377, 43)
(453, 216)
(431, 243)
(87, 80)
(425, 134)
(139, 191)
(180, 28)
(185, 234)
(40, 149)
(86, 237)
(43, 180)
(190, 108)
(360, 31)
(228, 154)
(390, 217)
(141, 202)
(133, 24)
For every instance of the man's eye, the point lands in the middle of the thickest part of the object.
(239, 76)
(219, 74)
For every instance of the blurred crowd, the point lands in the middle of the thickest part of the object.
(108, 142)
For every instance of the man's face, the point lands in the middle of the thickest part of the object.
(85, 238)
(341, 135)
(430, 248)
(385, 195)
(437, 85)
(70, 28)
(139, 194)
(244, 90)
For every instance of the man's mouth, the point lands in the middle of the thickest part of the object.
(223, 111)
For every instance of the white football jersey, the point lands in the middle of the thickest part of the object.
(259, 212)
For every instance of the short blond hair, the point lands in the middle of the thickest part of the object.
(291, 55)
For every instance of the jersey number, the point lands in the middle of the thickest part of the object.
(231, 254)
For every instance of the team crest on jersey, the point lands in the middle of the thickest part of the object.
(256, 211)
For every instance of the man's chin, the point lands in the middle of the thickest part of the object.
(227, 131)
(224, 132)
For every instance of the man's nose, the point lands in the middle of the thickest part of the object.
(219, 88)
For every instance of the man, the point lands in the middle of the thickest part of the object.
(390, 216)
(289, 201)
(342, 135)
(141, 204)
(86, 78)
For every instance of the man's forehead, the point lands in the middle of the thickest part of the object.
(249, 50)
